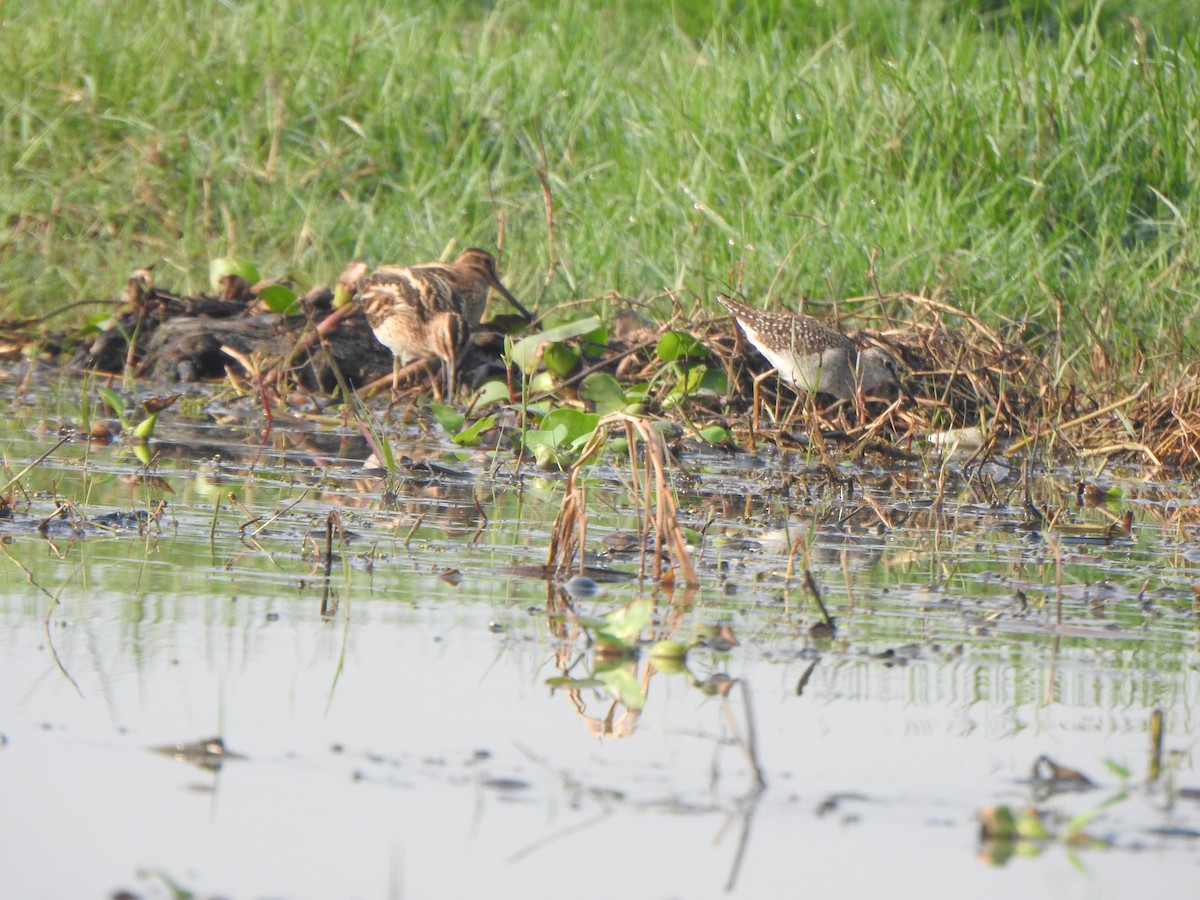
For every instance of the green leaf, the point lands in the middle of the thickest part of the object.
(604, 392)
(690, 376)
(230, 265)
(341, 296)
(575, 683)
(1030, 826)
(622, 683)
(1121, 771)
(625, 624)
(114, 402)
(714, 383)
(543, 383)
(524, 353)
(591, 343)
(553, 439)
(145, 428)
(493, 391)
(574, 423)
(96, 323)
(1085, 818)
(560, 359)
(448, 417)
(667, 650)
(716, 435)
(595, 342)
(279, 299)
(469, 436)
(679, 345)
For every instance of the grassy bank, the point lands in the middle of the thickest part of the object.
(1016, 161)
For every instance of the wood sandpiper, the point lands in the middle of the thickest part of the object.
(813, 357)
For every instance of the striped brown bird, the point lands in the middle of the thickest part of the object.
(430, 309)
(811, 356)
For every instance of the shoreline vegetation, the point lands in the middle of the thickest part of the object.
(1000, 193)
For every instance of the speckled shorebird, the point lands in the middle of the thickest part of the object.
(813, 357)
(430, 309)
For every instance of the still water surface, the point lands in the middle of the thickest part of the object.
(406, 743)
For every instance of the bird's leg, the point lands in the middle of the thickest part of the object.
(447, 334)
(450, 364)
(758, 380)
(755, 401)
(796, 405)
(395, 380)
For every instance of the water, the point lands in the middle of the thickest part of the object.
(404, 741)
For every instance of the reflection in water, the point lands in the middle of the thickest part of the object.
(292, 602)
(209, 754)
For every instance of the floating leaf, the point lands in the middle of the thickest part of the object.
(448, 417)
(470, 436)
(560, 435)
(604, 392)
(622, 683)
(717, 435)
(492, 391)
(670, 665)
(625, 624)
(668, 650)
(548, 444)
(577, 424)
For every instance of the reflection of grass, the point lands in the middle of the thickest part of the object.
(1044, 169)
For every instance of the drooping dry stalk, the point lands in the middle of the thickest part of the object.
(569, 530)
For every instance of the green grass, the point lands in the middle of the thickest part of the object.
(1006, 154)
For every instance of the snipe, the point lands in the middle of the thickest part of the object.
(430, 309)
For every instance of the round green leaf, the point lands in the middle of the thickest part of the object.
(279, 299)
(604, 392)
(560, 359)
(676, 345)
(230, 265)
